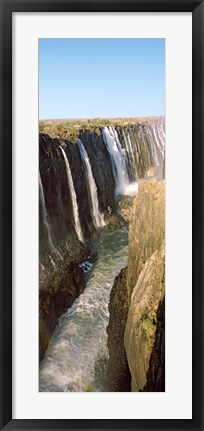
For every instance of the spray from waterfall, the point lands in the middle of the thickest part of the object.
(123, 186)
(98, 218)
(77, 224)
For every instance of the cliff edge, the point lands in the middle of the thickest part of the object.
(136, 329)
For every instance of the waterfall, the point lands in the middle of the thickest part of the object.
(157, 139)
(133, 157)
(117, 162)
(154, 150)
(160, 138)
(153, 138)
(98, 219)
(129, 155)
(44, 215)
(77, 225)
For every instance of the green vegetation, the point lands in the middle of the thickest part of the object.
(139, 312)
(69, 129)
(149, 327)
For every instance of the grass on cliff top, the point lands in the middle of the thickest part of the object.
(69, 129)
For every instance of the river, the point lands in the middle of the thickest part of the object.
(77, 354)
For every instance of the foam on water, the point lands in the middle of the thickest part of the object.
(77, 354)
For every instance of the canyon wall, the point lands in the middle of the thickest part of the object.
(117, 158)
(81, 182)
(137, 314)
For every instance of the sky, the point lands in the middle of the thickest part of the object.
(106, 78)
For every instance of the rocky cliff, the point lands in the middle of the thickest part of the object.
(132, 152)
(59, 290)
(136, 328)
(77, 169)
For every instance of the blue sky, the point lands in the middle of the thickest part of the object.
(90, 78)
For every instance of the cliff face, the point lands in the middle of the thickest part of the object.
(146, 230)
(59, 291)
(59, 294)
(155, 378)
(132, 152)
(118, 378)
(140, 337)
(140, 152)
(140, 330)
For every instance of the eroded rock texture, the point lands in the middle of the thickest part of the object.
(118, 376)
(61, 248)
(146, 230)
(57, 294)
(140, 330)
(137, 314)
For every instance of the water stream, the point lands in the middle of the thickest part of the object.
(98, 219)
(77, 354)
(77, 224)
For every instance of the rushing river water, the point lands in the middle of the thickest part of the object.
(76, 358)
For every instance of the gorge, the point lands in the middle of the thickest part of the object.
(94, 186)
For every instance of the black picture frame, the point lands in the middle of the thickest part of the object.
(7, 8)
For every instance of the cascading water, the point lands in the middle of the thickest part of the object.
(153, 138)
(76, 357)
(77, 224)
(123, 186)
(159, 137)
(156, 139)
(77, 354)
(153, 146)
(98, 219)
(132, 155)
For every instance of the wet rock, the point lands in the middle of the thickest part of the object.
(59, 290)
(59, 294)
(125, 207)
(114, 222)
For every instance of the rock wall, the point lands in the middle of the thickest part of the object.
(146, 230)
(141, 147)
(155, 380)
(140, 330)
(58, 293)
(137, 316)
(118, 378)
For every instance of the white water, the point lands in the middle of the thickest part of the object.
(153, 137)
(77, 354)
(133, 156)
(98, 219)
(118, 164)
(77, 224)
(161, 141)
(128, 146)
(157, 142)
